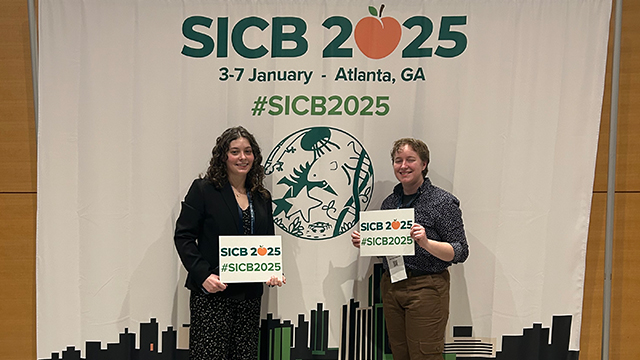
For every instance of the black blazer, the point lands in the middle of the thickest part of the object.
(206, 214)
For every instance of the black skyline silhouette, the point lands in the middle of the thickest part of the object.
(362, 337)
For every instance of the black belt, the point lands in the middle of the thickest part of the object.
(415, 272)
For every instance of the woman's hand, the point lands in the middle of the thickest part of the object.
(355, 239)
(213, 284)
(275, 281)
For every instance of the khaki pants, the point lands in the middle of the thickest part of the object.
(416, 311)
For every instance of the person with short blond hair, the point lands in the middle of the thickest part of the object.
(416, 309)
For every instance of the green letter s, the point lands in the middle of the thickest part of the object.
(191, 34)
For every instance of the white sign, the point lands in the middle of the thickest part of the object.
(250, 258)
(386, 232)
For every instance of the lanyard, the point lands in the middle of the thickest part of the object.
(251, 215)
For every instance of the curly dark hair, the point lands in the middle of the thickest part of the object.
(217, 171)
(418, 146)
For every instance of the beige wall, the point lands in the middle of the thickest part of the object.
(18, 199)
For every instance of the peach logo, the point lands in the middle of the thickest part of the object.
(262, 251)
(377, 37)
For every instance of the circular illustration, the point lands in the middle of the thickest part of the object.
(322, 179)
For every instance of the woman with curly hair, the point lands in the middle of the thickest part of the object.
(229, 199)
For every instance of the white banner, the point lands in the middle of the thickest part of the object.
(132, 95)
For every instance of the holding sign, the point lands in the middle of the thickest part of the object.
(250, 258)
(386, 232)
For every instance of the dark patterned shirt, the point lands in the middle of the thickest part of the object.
(438, 211)
(246, 221)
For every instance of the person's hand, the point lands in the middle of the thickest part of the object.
(440, 249)
(275, 281)
(355, 239)
(419, 235)
(213, 284)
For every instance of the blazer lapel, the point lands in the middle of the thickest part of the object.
(232, 205)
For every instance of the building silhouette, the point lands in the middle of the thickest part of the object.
(309, 340)
(463, 345)
(125, 348)
(363, 330)
(363, 336)
(533, 344)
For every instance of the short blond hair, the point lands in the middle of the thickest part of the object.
(418, 146)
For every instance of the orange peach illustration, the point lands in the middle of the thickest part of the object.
(377, 37)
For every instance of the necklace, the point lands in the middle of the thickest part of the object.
(237, 192)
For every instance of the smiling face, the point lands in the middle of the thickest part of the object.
(239, 158)
(408, 167)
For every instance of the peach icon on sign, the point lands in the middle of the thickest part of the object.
(395, 224)
(262, 251)
(377, 37)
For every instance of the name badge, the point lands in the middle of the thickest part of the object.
(396, 268)
(386, 232)
(250, 258)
